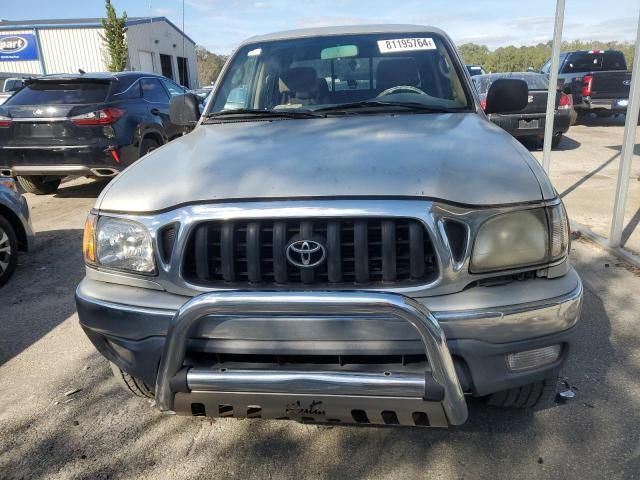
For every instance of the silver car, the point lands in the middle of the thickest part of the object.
(355, 243)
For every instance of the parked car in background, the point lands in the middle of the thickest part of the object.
(598, 80)
(92, 124)
(475, 70)
(530, 121)
(16, 234)
(9, 87)
(335, 255)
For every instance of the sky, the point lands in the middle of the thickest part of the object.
(220, 25)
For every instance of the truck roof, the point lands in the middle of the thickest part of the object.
(343, 30)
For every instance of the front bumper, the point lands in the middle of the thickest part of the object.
(482, 326)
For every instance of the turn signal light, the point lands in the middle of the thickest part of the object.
(89, 239)
(533, 358)
(105, 116)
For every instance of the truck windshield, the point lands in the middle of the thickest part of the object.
(342, 72)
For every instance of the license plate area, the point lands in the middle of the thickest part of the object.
(531, 124)
(41, 130)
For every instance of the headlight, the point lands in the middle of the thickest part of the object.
(511, 240)
(119, 244)
(522, 238)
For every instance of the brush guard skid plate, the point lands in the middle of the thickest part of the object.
(434, 398)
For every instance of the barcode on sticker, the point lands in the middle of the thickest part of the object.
(406, 44)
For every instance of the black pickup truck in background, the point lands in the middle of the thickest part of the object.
(598, 80)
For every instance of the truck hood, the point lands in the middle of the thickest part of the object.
(461, 158)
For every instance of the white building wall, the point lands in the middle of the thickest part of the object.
(28, 66)
(161, 38)
(65, 50)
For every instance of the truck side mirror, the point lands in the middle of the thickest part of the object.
(183, 110)
(507, 95)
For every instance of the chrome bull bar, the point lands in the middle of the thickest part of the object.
(440, 384)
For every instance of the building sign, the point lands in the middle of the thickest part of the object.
(18, 47)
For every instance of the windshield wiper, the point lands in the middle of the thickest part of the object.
(265, 113)
(413, 106)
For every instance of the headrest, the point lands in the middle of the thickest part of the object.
(397, 71)
(299, 79)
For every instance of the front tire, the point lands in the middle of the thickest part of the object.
(537, 395)
(40, 185)
(130, 383)
(8, 250)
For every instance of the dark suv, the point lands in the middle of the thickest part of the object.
(92, 124)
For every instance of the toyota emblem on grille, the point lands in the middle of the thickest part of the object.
(306, 253)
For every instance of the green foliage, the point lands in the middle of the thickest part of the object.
(518, 59)
(209, 65)
(114, 38)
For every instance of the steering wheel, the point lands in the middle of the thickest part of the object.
(406, 88)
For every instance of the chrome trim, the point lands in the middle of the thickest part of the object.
(360, 304)
(59, 170)
(105, 171)
(496, 324)
(452, 276)
(491, 324)
(604, 103)
(384, 384)
(44, 147)
(39, 119)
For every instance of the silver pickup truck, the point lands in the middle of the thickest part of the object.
(344, 237)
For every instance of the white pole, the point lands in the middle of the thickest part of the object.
(626, 157)
(553, 85)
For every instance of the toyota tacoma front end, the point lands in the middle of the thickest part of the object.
(343, 238)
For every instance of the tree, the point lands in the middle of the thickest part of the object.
(209, 65)
(518, 59)
(114, 38)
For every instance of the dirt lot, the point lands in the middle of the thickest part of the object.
(584, 170)
(101, 432)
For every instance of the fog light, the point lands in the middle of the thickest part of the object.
(533, 358)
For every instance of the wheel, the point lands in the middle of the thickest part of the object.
(131, 384)
(536, 395)
(40, 185)
(556, 139)
(148, 145)
(8, 250)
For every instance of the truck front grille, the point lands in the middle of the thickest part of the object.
(357, 252)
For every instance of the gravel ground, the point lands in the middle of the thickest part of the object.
(62, 416)
(584, 170)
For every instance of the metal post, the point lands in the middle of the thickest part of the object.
(626, 157)
(553, 85)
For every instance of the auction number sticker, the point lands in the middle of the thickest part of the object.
(406, 44)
